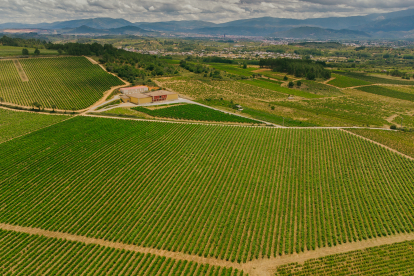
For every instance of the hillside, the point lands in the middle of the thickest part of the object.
(319, 33)
(85, 30)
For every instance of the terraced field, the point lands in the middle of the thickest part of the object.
(15, 123)
(233, 193)
(395, 259)
(70, 83)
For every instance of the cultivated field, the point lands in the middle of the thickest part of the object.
(234, 193)
(202, 89)
(400, 141)
(344, 81)
(14, 123)
(395, 259)
(374, 79)
(70, 83)
(195, 113)
(7, 51)
(348, 111)
(263, 83)
(384, 91)
(51, 256)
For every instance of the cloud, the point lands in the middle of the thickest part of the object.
(36, 11)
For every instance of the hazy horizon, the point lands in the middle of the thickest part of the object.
(48, 11)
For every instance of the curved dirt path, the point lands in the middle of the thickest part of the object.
(267, 267)
(260, 267)
(117, 245)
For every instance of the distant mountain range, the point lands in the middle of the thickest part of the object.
(389, 25)
(86, 30)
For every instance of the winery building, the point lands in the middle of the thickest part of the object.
(130, 95)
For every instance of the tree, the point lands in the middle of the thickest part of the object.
(25, 52)
(53, 107)
(36, 104)
(1, 100)
(37, 52)
(285, 78)
(299, 83)
(245, 65)
(59, 51)
(291, 84)
(311, 76)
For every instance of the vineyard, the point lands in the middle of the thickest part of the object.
(50, 256)
(279, 120)
(14, 123)
(195, 113)
(350, 111)
(201, 89)
(400, 141)
(263, 83)
(70, 83)
(345, 81)
(395, 259)
(383, 91)
(234, 193)
(374, 79)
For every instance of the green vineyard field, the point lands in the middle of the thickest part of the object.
(24, 254)
(398, 140)
(395, 259)
(374, 79)
(194, 112)
(234, 193)
(345, 81)
(70, 83)
(383, 91)
(14, 123)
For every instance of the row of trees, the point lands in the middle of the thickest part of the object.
(299, 68)
(25, 52)
(20, 42)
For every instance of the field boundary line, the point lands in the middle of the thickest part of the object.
(379, 144)
(20, 70)
(266, 267)
(70, 117)
(118, 245)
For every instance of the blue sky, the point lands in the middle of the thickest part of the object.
(35, 11)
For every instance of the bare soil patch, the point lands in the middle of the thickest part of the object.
(20, 70)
